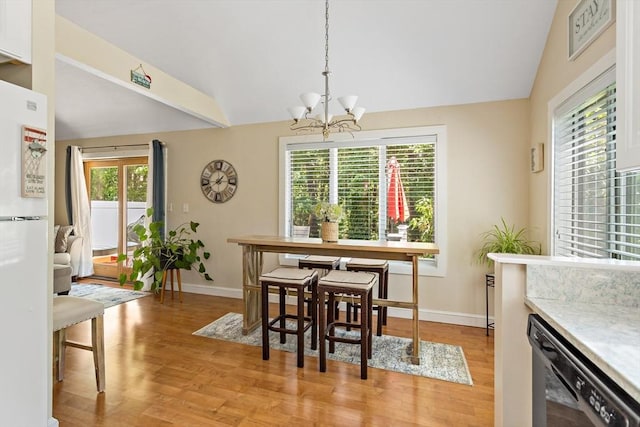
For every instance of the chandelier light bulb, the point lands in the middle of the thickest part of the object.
(310, 100)
(348, 102)
(297, 112)
(357, 113)
(320, 117)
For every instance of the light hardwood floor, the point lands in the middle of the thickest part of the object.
(159, 374)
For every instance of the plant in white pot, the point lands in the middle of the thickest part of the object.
(505, 239)
(328, 214)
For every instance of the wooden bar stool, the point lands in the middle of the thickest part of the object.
(322, 264)
(169, 272)
(68, 311)
(290, 279)
(381, 268)
(353, 283)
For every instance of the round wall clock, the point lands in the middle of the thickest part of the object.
(219, 181)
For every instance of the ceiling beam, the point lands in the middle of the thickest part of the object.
(88, 52)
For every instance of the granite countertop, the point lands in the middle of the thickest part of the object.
(563, 261)
(609, 335)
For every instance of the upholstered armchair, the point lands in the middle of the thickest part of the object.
(61, 279)
(67, 248)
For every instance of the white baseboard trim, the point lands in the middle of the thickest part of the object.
(450, 317)
(215, 291)
(453, 318)
(52, 422)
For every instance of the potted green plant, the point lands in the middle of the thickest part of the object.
(178, 249)
(328, 214)
(505, 239)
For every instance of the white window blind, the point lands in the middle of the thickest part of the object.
(596, 213)
(358, 191)
(308, 179)
(354, 175)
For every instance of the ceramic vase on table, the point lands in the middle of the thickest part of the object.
(329, 232)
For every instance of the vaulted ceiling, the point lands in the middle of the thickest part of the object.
(255, 57)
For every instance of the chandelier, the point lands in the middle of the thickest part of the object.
(302, 119)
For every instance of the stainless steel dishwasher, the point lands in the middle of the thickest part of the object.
(569, 390)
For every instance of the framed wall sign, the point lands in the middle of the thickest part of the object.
(587, 20)
(34, 173)
(537, 157)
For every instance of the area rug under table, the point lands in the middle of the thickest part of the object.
(105, 294)
(440, 361)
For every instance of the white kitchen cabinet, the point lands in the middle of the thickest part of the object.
(15, 30)
(628, 85)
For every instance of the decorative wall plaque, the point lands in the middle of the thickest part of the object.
(587, 21)
(34, 162)
(140, 77)
(537, 157)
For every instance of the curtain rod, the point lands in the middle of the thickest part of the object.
(116, 147)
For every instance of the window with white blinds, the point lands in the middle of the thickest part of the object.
(595, 209)
(355, 173)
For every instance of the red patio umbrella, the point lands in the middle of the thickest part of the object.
(397, 207)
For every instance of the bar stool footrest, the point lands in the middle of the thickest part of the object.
(272, 327)
(330, 334)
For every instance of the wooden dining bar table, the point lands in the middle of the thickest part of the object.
(254, 246)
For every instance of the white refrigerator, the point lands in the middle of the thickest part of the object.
(23, 257)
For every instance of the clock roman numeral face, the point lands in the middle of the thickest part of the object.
(219, 181)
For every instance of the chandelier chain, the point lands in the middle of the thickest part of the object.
(326, 37)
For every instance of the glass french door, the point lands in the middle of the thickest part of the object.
(117, 191)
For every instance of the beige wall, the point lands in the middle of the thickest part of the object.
(487, 174)
(554, 74)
